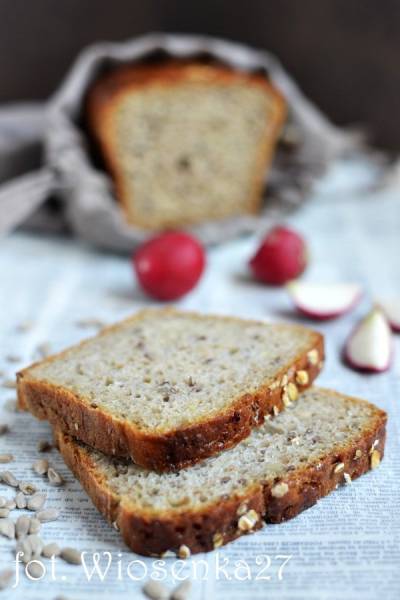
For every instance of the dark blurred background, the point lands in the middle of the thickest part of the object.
(344, 53)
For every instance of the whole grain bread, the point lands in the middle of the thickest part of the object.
(168, 387)
(325, 439)
(185, 142)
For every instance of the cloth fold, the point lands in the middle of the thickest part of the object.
(48, 137)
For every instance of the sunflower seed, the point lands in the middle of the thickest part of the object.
(34, 525)
(4, 428)
(27, 488)
(20, 500)
(44, 446)
(8, 478)
(6, 458)
(50, 550)
(5, 578)
(45, 516)
(36, 544)
(71, 556)
(7, 528)
(35, 569)
(9, 384)
(4, 512)
(23, 548)
(10, 405)
(22, 526)
(10, 504)
(36, 502)
(55, 478)
(181, 592)
(41, 466)
(155, 590)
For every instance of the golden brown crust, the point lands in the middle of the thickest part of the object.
(164, 451)
(108, 89)
(154, 534)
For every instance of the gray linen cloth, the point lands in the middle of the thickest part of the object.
(44, 151)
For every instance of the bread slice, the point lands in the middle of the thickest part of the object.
(285, 466)
(185, 142)
(168, 388)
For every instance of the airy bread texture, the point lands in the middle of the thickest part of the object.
(323, 440)
(185, 142)
(168, 388)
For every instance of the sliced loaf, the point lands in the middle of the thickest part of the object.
(185, 142)
(323, 440)
(168, 388)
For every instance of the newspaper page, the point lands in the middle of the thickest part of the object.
(346, 546)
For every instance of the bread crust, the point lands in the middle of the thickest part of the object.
(172, 450)
(152, 534)
(107, 91)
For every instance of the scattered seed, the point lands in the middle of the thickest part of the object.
(97, 323)
(24, 548)
(71, 556)
(184, 551)
(55, 478)
(22, 526)
(50, 514)
(24, 326)
(5, 578)
(27, 488)
(20, 500)
(279, 490)
(34, 525)
(13, 358)
(4, 428)
(36, 544)
(155, 590)
(9, 384)
(8, 478)
(248, 521)
(375, 459)
(41, 466)
(50, 550)
(7, 528)
(181, 592)
(10, 405)
(4, 512)
(35, 569)
(6, 458)
(43, 349)
(36, 502)
(10, 504)
(44, 446)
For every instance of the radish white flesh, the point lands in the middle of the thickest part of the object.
(324, 301)
(391, 308)
(369, 347)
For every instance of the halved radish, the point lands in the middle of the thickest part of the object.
(391, 308)
(369, 346)
(323, 300)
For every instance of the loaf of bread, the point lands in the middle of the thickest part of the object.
(323, 440)
(185, 142)
(168, 388)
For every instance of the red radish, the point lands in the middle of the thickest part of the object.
(282, 256)
(169, 265)
(369, 347)
(391, 308)
(322, 301)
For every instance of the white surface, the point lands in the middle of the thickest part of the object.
(345, 547)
